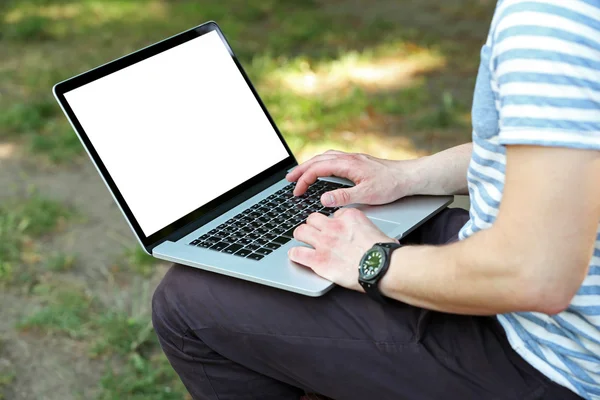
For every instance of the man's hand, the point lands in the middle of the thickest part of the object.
(338, 245)
(377, 181)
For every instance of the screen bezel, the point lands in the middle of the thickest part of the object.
(237, 192)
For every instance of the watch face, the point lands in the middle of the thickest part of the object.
(371, 263)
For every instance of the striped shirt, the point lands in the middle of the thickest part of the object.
(539, 84)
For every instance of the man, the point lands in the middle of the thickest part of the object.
(509, 311)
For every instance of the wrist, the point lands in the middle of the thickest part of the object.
(412, 176)
(387, 284)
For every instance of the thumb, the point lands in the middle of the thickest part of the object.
(341, 197)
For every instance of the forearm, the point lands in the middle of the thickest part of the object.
(443, 173)
(473, 276)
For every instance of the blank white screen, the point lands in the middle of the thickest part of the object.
(177, 130)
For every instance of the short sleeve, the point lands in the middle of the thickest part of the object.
(545, 65)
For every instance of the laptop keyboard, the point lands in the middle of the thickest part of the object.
(259, 230)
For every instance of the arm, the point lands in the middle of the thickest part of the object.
(381, 181)
(443, 173)
(534, 257)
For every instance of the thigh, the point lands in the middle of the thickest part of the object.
(343, 344)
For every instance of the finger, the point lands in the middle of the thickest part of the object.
(302, 255)
(307, 234)
(299, 170)
(317, 220)
(335, 166)
(342, 197)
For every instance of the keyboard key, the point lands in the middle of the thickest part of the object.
(278, 231)
(253, 235)
(272, 246)
(237, 235)
(286, 225)
(281, 240)
(255, 256)
(204, 244)
(261, 241)
(219, 246)
(269, 236)
(246, 229)
(194, 242)
(244, 241)
(232, 249)
(263, 251)
(251, 246)
(261, 231)
(264, 219)
(243, 252)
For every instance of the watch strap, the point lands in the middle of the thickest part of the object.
(371, 287)
(372, 290)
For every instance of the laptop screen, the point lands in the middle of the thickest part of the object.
(177, 130)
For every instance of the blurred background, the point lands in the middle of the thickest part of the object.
(392, 78)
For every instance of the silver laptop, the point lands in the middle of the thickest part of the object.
(197, 165)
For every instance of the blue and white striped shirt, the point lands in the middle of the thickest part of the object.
(539, 84)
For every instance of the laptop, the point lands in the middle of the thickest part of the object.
(197, 165)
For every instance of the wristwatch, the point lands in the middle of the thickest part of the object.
(373, 266)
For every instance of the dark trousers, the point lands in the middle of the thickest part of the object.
(232, 339)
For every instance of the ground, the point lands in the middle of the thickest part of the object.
(393, 78)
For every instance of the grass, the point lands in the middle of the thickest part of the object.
(58, 143)
(21, 221)
(326, 42)
(7, 375)
(140, 262)
(27, 117)
(66, 311)
(6, 379)
(142, 379)
(121, 333)
(60, 262)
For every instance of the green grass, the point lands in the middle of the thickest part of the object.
(121, 333)
(20, 220)
(6, 379)
(51, 40)
(7, 375)
(140, 262)
(66, 311)
(58, 143)
(60, 262)
(142, 378)
(33, 27)
(30, 117)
